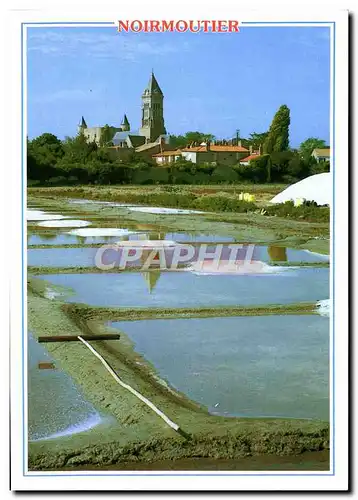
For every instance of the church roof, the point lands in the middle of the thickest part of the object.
(153, 86)
(122, 136)
(145, 147)
(136, 140)
(83, 123)
(125, 120)
(133, 135)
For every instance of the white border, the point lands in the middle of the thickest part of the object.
(170, 480)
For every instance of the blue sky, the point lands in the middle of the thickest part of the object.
(214, 83)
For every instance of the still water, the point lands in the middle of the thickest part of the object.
(185, 289)
(244, 366)
(85, 256)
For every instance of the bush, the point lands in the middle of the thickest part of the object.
(224, 175)
(223, 204)
(308, 211)
(255, 172)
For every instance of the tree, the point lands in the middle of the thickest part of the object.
(107, 135)
(43, 154)
(78, 150)
(180, 141)
(256, 140)
(309, 145)
(278, 135)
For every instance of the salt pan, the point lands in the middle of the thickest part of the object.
(101, 231)
(64, 223)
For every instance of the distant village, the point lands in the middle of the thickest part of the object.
(152, 141)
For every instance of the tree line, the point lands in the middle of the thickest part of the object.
(51, 161)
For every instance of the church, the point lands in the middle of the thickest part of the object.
(149, 139)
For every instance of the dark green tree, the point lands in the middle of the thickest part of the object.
(180, 141)
(107, 135)
(278, 135)
(43, 154)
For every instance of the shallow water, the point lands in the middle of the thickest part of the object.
(68, 239)
(184, 289)
(55, 405)
(244, 366)
(65, 257)
(59, 257)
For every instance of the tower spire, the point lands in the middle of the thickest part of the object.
(81, 126)
(152, 110)
(83, 123)
(125, 126)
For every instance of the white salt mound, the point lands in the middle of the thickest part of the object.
(64, 223)
(237, 267)
(316, 188)
(159, 210)
(36, 215)
(324, 307)
(101, 231)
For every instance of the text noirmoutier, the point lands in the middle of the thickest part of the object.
(181, 26)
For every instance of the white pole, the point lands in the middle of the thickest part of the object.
(128, 387)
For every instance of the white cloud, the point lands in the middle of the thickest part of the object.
(98, 45)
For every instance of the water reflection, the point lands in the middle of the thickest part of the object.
(185, 289)
(277, 254)
(151, 279)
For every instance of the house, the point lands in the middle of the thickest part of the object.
(205, 153)
(252, 156)
(151, 148)
(167, 157)
(321, 154)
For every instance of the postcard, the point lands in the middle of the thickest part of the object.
(180, 203)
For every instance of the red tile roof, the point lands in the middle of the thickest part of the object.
(168, 153)
(217, 149)
(250, 157)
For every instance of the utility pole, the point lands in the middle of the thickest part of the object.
(237, 136)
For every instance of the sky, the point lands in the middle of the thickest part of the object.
(212, 82)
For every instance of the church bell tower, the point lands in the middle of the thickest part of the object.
(152, 111)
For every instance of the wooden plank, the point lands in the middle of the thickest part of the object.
(44, 365)
(74, 338)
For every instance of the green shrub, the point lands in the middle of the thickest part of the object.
(308, 211)
(224, 174)
(223, 204)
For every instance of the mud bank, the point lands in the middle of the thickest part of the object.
(230, 446)
(318, 460)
